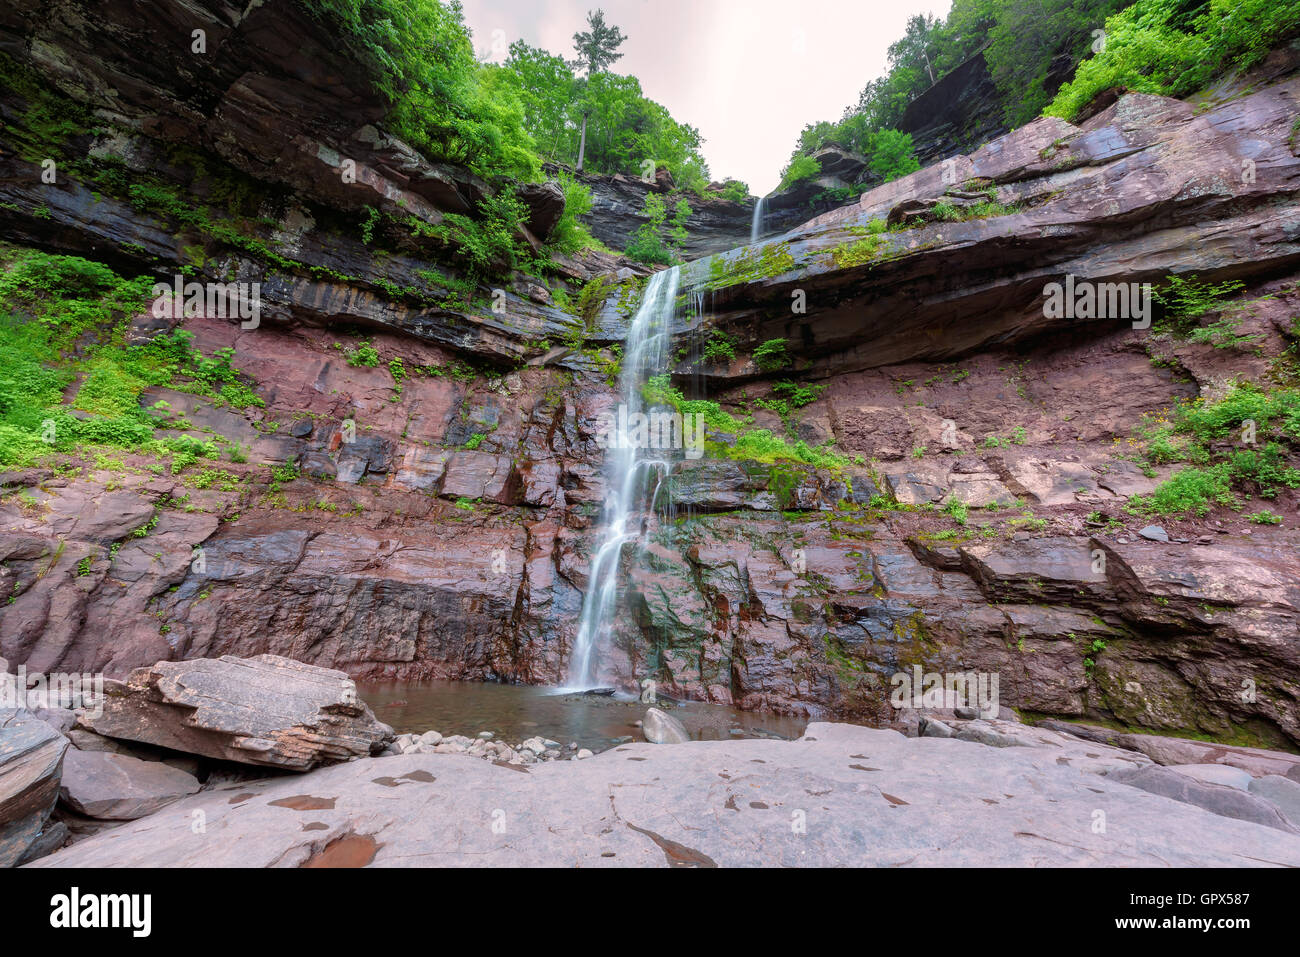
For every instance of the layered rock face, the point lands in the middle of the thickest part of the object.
(618, 209)
(31, 760)
(445, 529)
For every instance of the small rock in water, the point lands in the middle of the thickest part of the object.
(660, 728)
(431, 738)
(573, 745)
(486, 735)
(936, 729)
(583, 754)
(1154, 533)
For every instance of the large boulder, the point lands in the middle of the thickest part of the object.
(265, 710)
(31, 759)
(661, 728)
(545, 202)
(118, 787)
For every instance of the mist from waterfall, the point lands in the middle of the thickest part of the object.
(627, 466)
(756, 224)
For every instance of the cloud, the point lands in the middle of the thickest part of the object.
(749, 74)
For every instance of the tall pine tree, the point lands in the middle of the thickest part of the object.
(597, 49)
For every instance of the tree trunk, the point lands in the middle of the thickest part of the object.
(582, 143)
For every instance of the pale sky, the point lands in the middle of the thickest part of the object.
(748, 74)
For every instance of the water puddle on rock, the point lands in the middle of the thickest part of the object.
(516, 712)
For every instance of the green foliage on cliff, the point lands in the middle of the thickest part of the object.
(659, 390)
(1020, 41)
(1175, 48)
(1242, 443)
(749, 264)
(772, 355)
(62, 322)
(649, 242)
(888, 153)
(744, 444)
(891, 155)
(421, 58)
(800, 168)
(570, 235)
(733, 190)
(719, 347)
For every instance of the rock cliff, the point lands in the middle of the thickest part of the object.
(450, 535)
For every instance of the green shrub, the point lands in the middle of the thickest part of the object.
(719, 347)
(648, 245)
(570, 235)
(491, 244)
(892, 155)
(772, 355)
(800, 168)
(363, 355)
(1264, 518)
(733, 190)
(1186, 300)
(1189, 490)
(1265, 421)
(797, 395)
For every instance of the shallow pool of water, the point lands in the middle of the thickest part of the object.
(517, 712)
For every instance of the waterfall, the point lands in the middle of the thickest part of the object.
(645, 354)
(756, 224)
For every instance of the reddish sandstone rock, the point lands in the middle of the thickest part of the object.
(266, 710)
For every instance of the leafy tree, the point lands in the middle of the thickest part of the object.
(623, 128)
(597, 48)
(1165, 47)
(547, 88)
(1021, 41)
(1027, 37)
(421, 59)
(892, 155)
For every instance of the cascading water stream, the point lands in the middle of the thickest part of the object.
(756, 224)
(627, 464)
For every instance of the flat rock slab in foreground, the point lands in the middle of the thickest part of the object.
(265, 710)
(843, 795)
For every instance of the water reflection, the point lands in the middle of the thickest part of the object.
(516, 712)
